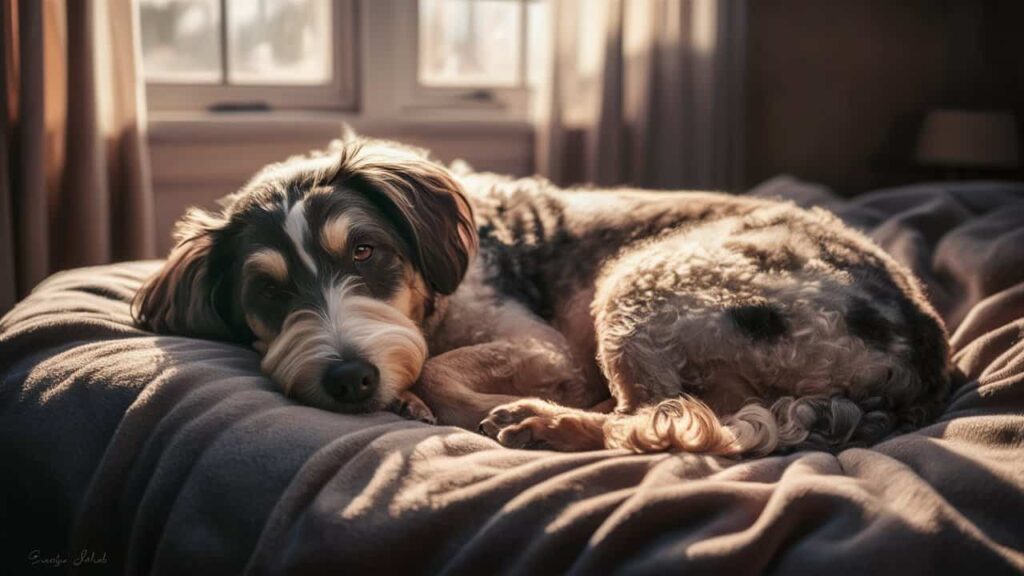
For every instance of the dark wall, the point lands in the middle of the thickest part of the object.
(837, 89)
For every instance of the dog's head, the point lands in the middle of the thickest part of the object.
(328, 264)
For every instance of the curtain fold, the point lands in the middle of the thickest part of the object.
(645, 93)
(76, 189)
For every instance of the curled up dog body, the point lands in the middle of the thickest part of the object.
(370, 278)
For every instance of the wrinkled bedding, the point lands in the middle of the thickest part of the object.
(167, 455)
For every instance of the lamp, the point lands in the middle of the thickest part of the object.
(969, 139)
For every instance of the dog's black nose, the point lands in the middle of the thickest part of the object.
(351, 381)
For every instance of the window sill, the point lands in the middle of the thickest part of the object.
(191, 127)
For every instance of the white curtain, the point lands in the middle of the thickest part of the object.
(646, 93)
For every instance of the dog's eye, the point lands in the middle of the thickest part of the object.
(274, 293)
(362, 253)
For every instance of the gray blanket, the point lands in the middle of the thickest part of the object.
(128, 452)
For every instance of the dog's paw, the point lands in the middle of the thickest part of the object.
(410, 407)
(517, 424)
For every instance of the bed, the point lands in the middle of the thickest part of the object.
(126, 452)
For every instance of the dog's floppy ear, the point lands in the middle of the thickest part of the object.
(442, 223)
(431, 210)
(187, 295)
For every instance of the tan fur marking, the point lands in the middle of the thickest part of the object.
(264, 334)
(269, 262)
(334, 236)
(411, 295)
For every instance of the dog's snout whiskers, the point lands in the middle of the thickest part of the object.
(323, 356)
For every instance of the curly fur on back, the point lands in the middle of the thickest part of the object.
(766, 325)
(720, 324)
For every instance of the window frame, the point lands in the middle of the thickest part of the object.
(340, 94)
(415, 97)
(376, 78)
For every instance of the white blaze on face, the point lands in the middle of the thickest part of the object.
(297, 227)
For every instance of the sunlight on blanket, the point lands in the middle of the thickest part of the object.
(100, 365)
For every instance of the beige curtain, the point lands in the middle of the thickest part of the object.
(646, 93)
(75, 189)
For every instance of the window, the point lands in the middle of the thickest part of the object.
(487, 51)
(467, 43)
(248, 54)
(455, 58)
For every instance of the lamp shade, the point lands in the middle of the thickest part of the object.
(969, 139)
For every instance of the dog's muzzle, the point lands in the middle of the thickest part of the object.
(356, 355)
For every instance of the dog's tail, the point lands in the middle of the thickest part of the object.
(686, 424)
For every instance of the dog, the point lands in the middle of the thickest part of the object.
(371, 277)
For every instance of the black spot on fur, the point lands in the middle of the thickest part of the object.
(521, 243)
(929, 353)
(867, 323)
(760, 322)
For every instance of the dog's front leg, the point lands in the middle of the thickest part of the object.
(463, 385)
(449, 384)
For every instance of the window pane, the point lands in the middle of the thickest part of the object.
(180, 40)
(538, 41)
(470, 42)
(279, 41)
